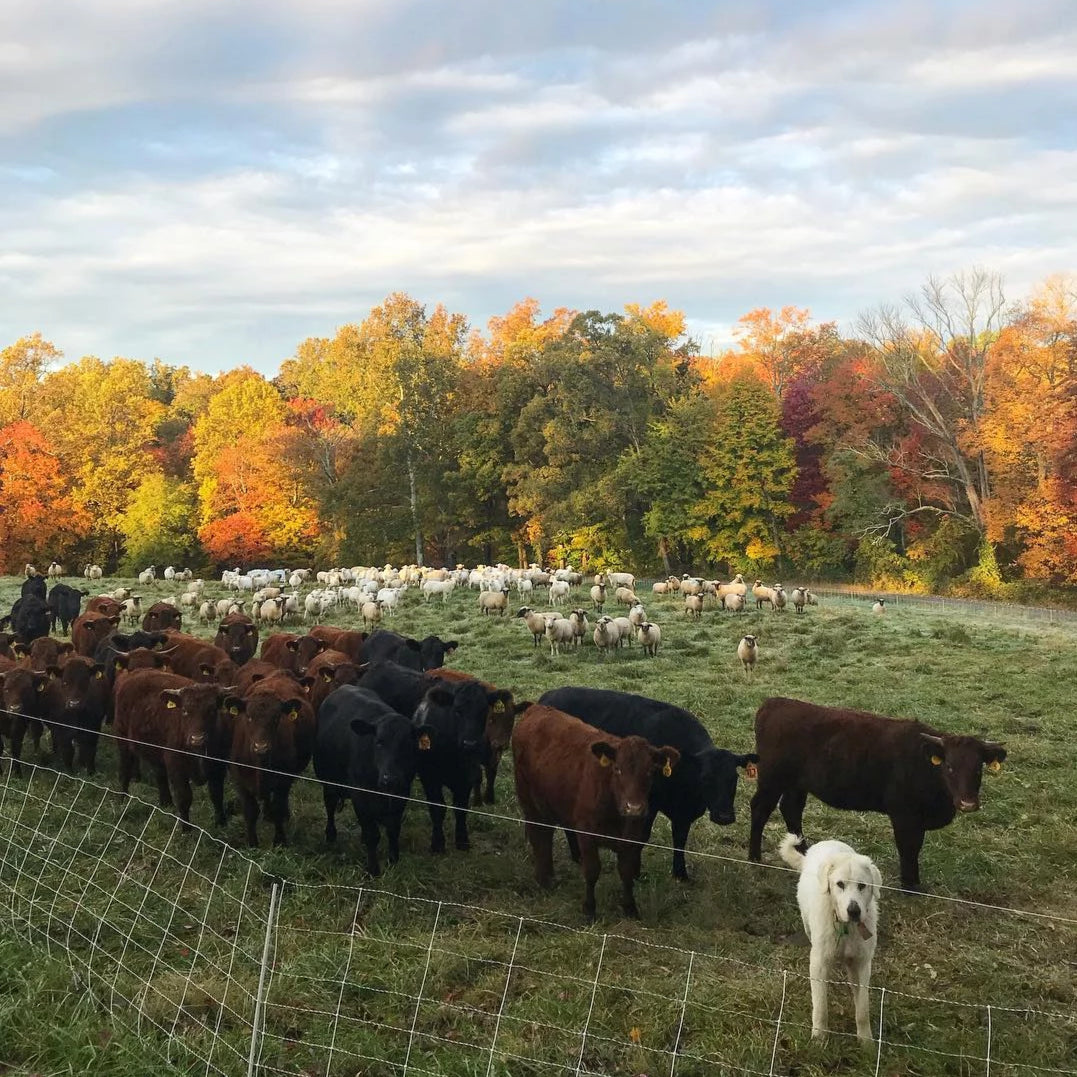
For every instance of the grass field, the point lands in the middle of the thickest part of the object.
(129, 948)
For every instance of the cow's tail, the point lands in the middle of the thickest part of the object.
(790, 853)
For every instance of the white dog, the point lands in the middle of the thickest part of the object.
(838, 895)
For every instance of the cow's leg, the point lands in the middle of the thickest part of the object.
(460, 801)
(763, 804)
(591, 867)
(819, 969)
(126, 765)
(540, 838)
(909, 838)
(164, 794)
(792, 808)
(371, 837)
(392, 834)
(436, 801)
(859, 977)
(279, 813)
(18, 732)
(88, 752)
(331, 800)
(249, 803)
(181, 791)
(491, 773)
(215, 784)
(628, 861)
(680, 828)
(573, 845)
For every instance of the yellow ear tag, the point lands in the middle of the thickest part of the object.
(751, 772)
(326, 676)
(603, 760)
(171, 704)
(667, 770)
(165, 667)
(233, 710)
(41, 688)
(293, 714)
(936, 760)
(994, 766)
(99, 675)
(499, 707)
(424, 743)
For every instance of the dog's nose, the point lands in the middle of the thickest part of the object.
(854, 910)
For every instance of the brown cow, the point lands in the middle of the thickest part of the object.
(326, 672)
(345, 640)
(199, 660)
(161, 616)
(107, 607)
(43, 652)
(237, 635)
(276, 649)
(255, 670)
(594, 785)
(138, 658)
(919, 777)
(22, 699)
(168, 721)
(89, 630)
(499, 721)
(273, 728)
(6, 640)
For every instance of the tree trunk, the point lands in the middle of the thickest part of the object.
(663, 549)
(415, 512)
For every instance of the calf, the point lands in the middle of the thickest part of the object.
(855, 760)
(64, 604)
(345, 640)
(161, 616)
(29, 618)
(273, 728)
(705, 780)
(106, 606)
(237, 634)
(595, 786)
(89, 630)
(169, 722)
(22, 699)
(366, 752)
(73, 705)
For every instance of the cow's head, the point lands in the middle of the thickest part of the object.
(306, 649)
(959, 762)
(633, 765)
(396, 744)
(718, 780)
(194, 709)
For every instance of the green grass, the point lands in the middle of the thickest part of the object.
(102, 903)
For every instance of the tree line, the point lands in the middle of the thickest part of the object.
(933, 447)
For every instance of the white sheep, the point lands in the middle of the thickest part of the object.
(621, 579)
(748, 653)
(626, 596)
(223, 607)
(779, 599)
(606, 634)
(762, 594)
(55, 570)
(800, 598)
(559, 591)
(735, 603)
(207, 613)
(626, 628)
(649, 636)
(148, 575)
(812, 600)
(371, 612)
(637, 615)
(559, 632)
(880, 606)
(271, 610)
(579, 623)
(170, 573)
(693, 606)
(535, 622)
(691, 586)
(132, 609)
(660, 587)
(598, 596)
(494, 601)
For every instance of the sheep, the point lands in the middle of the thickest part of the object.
(312, 606)
(371, 612)
(271, 610)
(560, 632)
(800, 598)
(559, 590)
(579, 623)
(621, 579)
(444, 588)
(170, 573)
(637, 615)
(693, 606)
(736, 586)
(93, 572)
(207, 613)
(762, 594)
(779, 600)
(691, 586)
(626, 596)
(660, 587)
(606, 634)
(649, 636)
(880, 606)
(132, 609)
(524, 585)
(188, 598)
(489, 601)
(534, 621)
(30, 571)
(389, 597)
(626, 628)
(812, 600)
(148, 575)
(748, 653)
(55, 571)
(223, 606)
(598, 596)
(734, 603)
(185, 575)
(673, 585)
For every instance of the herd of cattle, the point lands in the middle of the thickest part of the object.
(375, 711)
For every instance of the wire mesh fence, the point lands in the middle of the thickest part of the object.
(221, 968)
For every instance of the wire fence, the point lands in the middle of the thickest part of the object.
(223, 968)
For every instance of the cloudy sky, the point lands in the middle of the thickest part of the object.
(211, 181)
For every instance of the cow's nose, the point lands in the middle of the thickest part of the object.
(969, 805)
(197, 740)
(72, 704)
(633, 809)
(854, 910)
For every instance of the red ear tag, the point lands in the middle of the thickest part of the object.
(936, 760)
(751, 772)
(424, 743)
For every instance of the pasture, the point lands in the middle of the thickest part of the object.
(460, 964)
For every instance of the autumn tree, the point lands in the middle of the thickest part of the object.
(159, 525)
(22, 366)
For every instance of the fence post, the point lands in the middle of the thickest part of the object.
(259, 1001)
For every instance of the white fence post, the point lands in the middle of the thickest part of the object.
(259, 1001)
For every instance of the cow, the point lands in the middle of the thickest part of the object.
(273, 728)
(366, 752)
(237, 635)
(161, 616)
(105, 605)
(29, 618)
(291, 652)
(33, 585)
(43, 652)
(347, 641)
(705, 780)
(500, 717)
(919, 777)
(64, 603)
(257, 669)
(199, 660)
(22, 699)
(386, 646)
(168, 721)
(594, 785)
(73, 705)
(112, 647)
(89, 630)
(326, 673)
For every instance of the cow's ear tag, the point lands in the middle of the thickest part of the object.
(936, 760)
(499, 707)
(667, 770)
(41, 687)
(751, 772)
(994, 766)
(326, 676)
(424, 743)
(233, 709)
(171, 704)
(293, 714)
(99, 675)
(603, 760)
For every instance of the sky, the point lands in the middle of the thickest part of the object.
(210, 182)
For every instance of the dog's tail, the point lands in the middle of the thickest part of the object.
(789, 851)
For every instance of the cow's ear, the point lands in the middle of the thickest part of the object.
(234, 704)
(934, 749)
(993, 755)
(98, 670)
(522, 706)
(114, 620)
(171, 696)
(53, 672)
(666, 758)
(605, 753)
(119, 661)
(206, 670)
(441, 696)
(451, 646)
(67, 648)
(499, 701)
(291, 709)
(308, 682)
(363, 728)
(327, 674)
(292, 645)
(322, 645)
(750, 763)
(20, 650)
(250, 630)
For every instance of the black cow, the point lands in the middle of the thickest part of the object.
(29, 618)
(386, 646)
(454, 716)
(33, 585)
(65, 604)
(364, 744)
(704, 780)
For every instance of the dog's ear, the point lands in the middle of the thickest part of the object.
(876, 878)
(822, 874)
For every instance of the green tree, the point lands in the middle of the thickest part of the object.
(158, 525)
